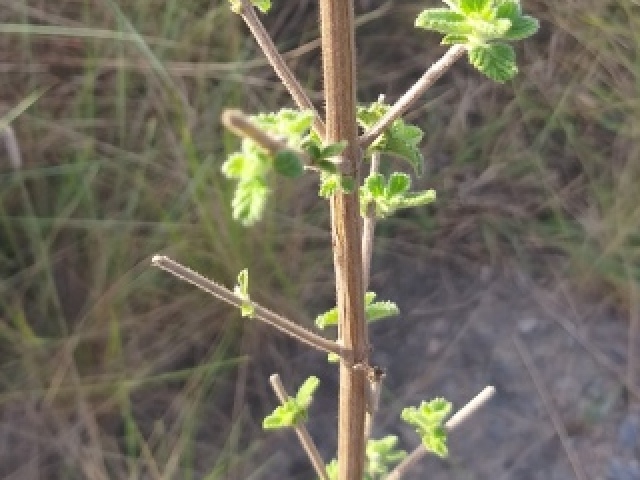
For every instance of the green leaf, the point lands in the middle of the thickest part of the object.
(437, 442)
(288, 164)
(381, 455)
(295, 410)
(286, 415)
(379, 310)
(497, 61)
(249, 200)
(234, 166)
(443, 20)
(473, 6)
(242, 291)
(415, 199)
(428, 421)
(522, 27)
(332, 469)
(399, 183)
(333, 358)
(508, 9)
(294, 125)
(333, 150)
(455, 40)
(402, 140)
(375, 185)
(329, 184)
(263, 5)
(327, 319)
(373, 311)
(486, 30)
(306, 390)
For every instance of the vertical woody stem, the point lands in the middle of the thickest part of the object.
(338, 52)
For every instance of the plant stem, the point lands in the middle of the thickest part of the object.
(283, 324)
(457, 418)
(368, 229)
(422, 85)
(301, 431)
(283, 71)
(338, 54)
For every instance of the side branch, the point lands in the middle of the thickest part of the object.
(301, 431)
(457, 418)
(283, 71)
(240, 124)
(283, 324)
(422, 85)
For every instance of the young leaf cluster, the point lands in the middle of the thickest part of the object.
(484, 27)
(252, 167)
(294, 411)
(428, 420)
(400, 139)
(381, 455)
(392, 194)
(373, 311)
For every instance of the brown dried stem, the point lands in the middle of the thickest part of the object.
(303, 434)
(338, 55)
(420, 87)
(219, 291)
(281, 68)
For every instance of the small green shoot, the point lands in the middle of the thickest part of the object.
(263, 5)
(242, 291)
(428, 420)
(400, 139)
(374, 311)
(295, 410)
(381, 455)
(483, 27)
(391, 195)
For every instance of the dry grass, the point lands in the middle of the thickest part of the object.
(109, 370)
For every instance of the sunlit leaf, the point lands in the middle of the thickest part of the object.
(497, 61)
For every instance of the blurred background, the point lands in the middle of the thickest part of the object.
(525, 273)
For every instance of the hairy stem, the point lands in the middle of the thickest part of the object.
(302, 432)
(338, 54)
(457, 418)
(219, 291)
(420, 87)
(283, 71)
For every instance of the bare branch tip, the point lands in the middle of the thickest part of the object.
(158, 260)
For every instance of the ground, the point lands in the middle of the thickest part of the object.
(559, 364)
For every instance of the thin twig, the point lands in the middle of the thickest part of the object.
(303, 434)
(279, 65)
(368, 229)
(13, 149)
(368, 232)
(551, 410)
(240, 124)
(420, 87)
(283, 324)
(634, 330)
(459, 417)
